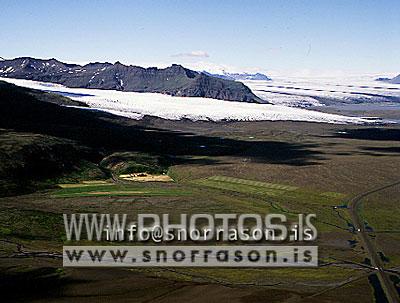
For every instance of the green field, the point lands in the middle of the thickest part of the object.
(244, 186)
(286, 199)
(114, 189)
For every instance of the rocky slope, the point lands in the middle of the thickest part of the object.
(174, 80)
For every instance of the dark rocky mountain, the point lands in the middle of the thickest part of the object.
(382, 79)
(240, 76)
(174, 80)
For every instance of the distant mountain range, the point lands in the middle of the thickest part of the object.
(239, 76)
(395, 80)
(174, 80)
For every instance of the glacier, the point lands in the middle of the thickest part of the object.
(306, 91)
(136, 105)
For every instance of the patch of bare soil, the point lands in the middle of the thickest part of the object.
(144, 177)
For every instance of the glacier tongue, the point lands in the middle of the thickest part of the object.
(136, 105)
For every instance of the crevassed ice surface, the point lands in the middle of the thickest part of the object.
(136, 105)
(311, 90)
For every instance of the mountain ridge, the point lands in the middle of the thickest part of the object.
(395, 80)
(239, 76)
(175, 80)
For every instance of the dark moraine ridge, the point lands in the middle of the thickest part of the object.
(174, 80)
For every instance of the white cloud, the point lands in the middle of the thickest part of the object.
(195, 54)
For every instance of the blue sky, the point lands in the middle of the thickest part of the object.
(362, 36)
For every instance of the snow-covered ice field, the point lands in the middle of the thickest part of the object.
(311, 91)
(137, 105)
